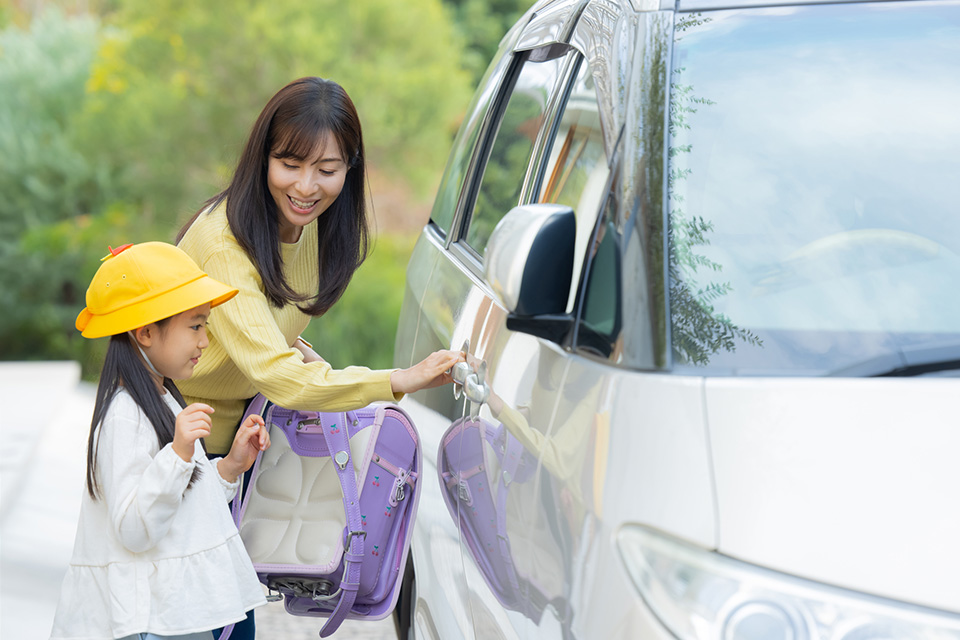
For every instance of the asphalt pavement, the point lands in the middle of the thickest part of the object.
(45, 412)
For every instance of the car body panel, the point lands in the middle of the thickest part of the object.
(845, 481)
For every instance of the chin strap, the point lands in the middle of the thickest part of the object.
(144, 354)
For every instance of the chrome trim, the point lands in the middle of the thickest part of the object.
(551, 23)
(546, 135)
(601, 25)
(495, 81)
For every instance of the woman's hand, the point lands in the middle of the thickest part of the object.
(251, 439)
(192, 424)
(309, 355)
(432, 371)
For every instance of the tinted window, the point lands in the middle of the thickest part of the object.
(813, 188)
(445, 204)
(512, 145)
(576, 169)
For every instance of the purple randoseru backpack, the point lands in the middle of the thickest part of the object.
(329, 509)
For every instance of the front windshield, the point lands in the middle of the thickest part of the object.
(814, 187)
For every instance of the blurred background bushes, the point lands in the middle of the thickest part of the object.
(118, 118)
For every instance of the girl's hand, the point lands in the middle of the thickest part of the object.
(192, 424)
(430, 372)
(251, 439)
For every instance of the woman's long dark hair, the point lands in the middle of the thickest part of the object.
(123, 366)
(292, 125)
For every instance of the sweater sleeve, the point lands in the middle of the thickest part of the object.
(142, 487)
(249, 335)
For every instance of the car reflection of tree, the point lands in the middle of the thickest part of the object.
(698, 331)
(527, 499)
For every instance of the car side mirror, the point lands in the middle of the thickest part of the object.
(529, 265)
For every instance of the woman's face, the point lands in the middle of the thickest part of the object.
(303, 189)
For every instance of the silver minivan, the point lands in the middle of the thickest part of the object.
(704, 258)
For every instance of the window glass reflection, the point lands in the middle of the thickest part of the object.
(813, 185)
(577, 168)
(509, 156)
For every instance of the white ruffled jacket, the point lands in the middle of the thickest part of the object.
(151, 555)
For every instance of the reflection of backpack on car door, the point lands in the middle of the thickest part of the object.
(477, 492)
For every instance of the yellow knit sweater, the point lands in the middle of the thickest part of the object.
(250, 339)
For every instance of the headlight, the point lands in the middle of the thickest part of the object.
(702, 595)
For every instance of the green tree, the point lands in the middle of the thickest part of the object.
(698, 330)
(44, 174)
(177, 85)
(481, 25)
(54, 211)
(116, 125)
(360, 328)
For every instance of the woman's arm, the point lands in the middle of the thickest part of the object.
(248, 333)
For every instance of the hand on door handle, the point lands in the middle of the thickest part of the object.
(460, 371)
(469, 382)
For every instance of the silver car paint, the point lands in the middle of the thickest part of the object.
(790, 474)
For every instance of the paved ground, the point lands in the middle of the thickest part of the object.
(44, 421)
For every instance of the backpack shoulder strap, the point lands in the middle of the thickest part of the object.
(338, 444)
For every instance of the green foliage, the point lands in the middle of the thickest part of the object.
(119, 117)
(44, 174)
(698, 330)
(54, 223)
(360, 328)
(45, 275)
(481, 25)
(506, 166)
(177, 86)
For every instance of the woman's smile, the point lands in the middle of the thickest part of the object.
(289, 178)
(302, 206)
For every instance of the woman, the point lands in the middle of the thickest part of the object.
(288, 232)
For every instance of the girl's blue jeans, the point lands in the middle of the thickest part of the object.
(243, 630)
(151, 636)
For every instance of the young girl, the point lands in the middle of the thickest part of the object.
(156, 554)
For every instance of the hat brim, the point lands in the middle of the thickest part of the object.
(193, 294)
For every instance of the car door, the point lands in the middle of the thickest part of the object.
(543, 145)
(445, 307)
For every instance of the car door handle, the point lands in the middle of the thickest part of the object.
(460, 372)
(475, 389)
(468, 382)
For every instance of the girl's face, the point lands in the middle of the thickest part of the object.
(175, 347)
(303, 189)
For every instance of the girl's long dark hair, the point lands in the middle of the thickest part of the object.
(292, 125)
(123, 366)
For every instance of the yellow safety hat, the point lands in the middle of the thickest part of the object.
(138, 284)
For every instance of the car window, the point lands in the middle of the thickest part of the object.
(814, 190)
(599, 322)
(577, 168)
(511, 146)
(448, 193)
